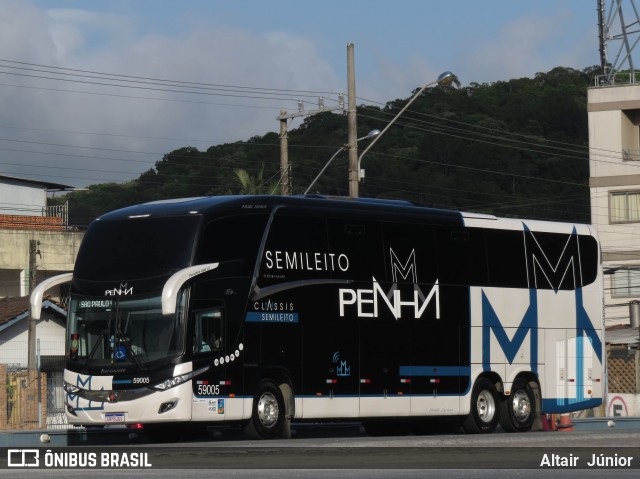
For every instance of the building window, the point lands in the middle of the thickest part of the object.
(624, 207)
(625, 283)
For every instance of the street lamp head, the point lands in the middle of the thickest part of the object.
(372, 133)
(447, 78)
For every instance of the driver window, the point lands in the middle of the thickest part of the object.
(208, 331)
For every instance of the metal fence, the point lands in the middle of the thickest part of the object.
(58, 211)
(617, 79)
(32, 399)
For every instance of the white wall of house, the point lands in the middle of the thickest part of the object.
(14, 340)
(21, 198)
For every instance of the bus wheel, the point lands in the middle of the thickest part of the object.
(518, 411)
(483, 417)
(268, 412)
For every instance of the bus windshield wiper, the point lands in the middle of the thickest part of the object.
(103, 334)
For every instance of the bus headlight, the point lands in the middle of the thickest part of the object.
(178, 380)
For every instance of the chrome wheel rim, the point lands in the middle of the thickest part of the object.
(521, 406)
(268, 410)
(486, 406)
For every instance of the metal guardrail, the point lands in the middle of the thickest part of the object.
(617, 79)
(58, 211)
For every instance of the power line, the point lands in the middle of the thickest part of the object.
(172, 86)
(180, 82)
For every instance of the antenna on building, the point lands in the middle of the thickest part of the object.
(618, 33)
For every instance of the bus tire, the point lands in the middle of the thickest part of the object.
(518, 410)
(268, 414)
(485, 406)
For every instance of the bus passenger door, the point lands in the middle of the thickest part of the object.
(208, 347)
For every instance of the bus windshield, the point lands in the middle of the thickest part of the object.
(123, 331)
(134, 248)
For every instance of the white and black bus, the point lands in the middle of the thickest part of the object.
(264, 309)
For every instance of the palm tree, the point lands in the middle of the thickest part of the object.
(250, 185)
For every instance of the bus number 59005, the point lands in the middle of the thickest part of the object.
(208, 389)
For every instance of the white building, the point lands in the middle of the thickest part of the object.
(614, 164)
(25, 220)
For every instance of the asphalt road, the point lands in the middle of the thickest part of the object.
(336, 450)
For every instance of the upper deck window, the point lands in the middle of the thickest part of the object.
(136, 248)
(234, 238)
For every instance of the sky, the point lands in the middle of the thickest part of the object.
(234, 65)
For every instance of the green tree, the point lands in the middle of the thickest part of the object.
(254, 185)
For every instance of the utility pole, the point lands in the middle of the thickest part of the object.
(31, 330)
(285, 168)
(351, 121)
(284, 155)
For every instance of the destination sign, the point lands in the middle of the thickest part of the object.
(95, 304)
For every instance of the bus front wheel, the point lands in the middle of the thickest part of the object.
(483, 417)
(518, 410)
(268, 415)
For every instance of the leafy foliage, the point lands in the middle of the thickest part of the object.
(510, 148)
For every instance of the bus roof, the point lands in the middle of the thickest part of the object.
(209, 205)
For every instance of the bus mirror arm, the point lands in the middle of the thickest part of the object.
(38, 292)
(177, 280)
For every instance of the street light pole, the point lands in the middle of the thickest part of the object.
(371, 134)
(324, 168)
(284, 155)
(445, 78)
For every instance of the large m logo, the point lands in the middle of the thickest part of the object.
(74, 400)
(552, 267)
(406, 269)
(555, 267)
(510, 347)
(529, 325)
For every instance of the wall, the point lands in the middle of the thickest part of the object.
(58, 251)
(21, 198)
(623, 405)
(14, 341)
(613, 114)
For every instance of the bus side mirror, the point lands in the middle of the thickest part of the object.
(175, 282)
(38, 292)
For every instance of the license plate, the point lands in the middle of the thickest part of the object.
(114, 417)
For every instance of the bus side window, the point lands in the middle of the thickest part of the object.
(208, 333)
(462, 257)
(233, 238)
